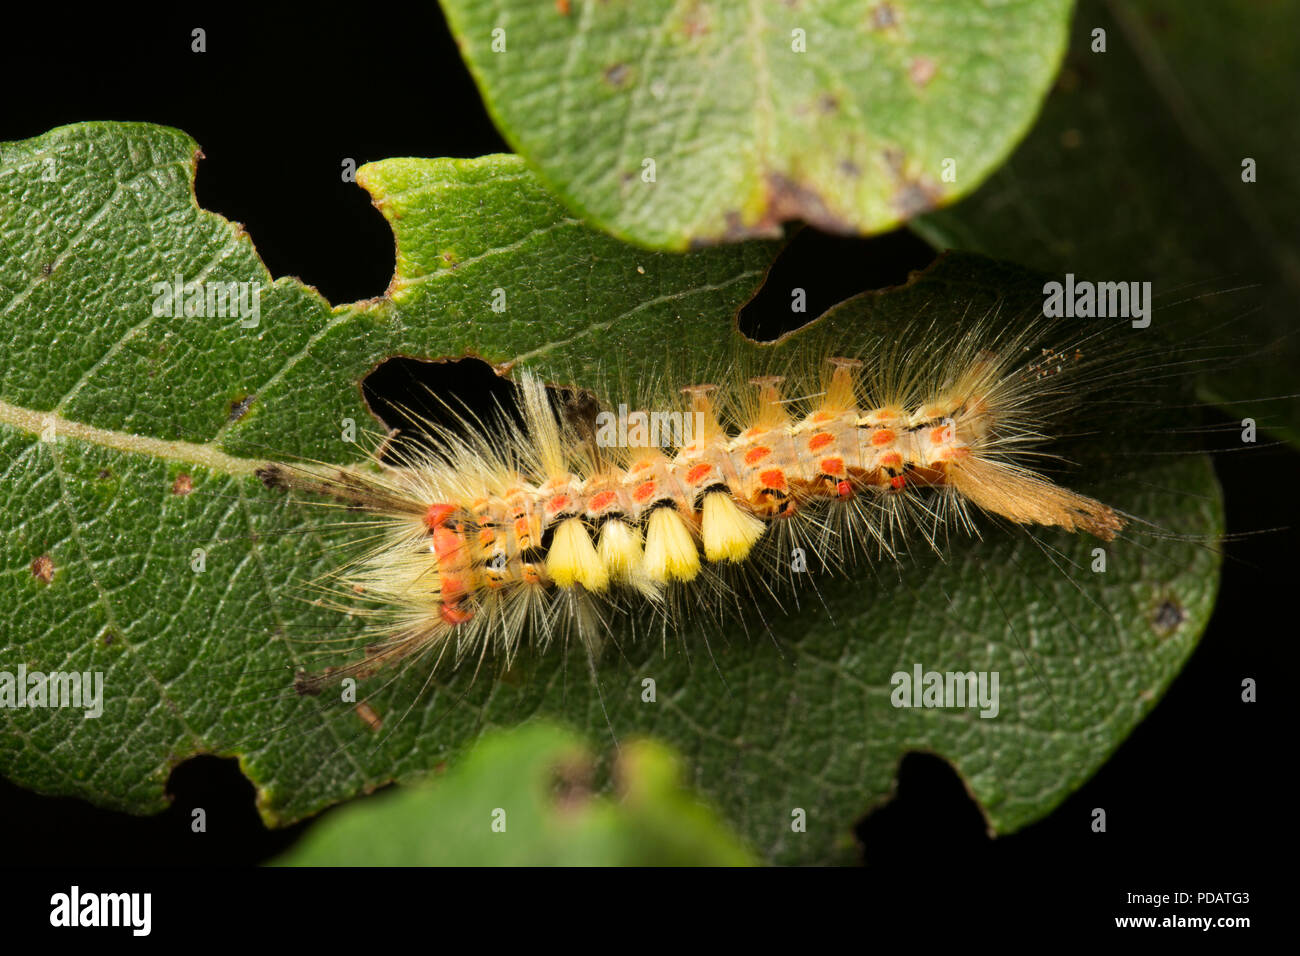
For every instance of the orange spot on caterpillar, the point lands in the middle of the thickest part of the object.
(844, 489)
(892, 460)
(820, 417)
(437, 515)
(940, 435)
(897, 482)
(453, 614)
(644, 491)
(773, 478)
(452, 588)
(523, 533)
(820, 441)
(755, 455)
(183, 484)
(601, 500)
(832, 466)
(698, 473)
(557, 504)
(882, 436)
(447, 545)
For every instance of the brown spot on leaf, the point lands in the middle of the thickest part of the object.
(104, 474)
(914, 194)
(922, 70)
(828, 103)
(1071, 139)
(272, 476)
(617, 74)
(914, 198)
(239, 407)
(43, 568)
(696, 21)
(367, 714)
(183, 484)
(47, 268)
(884, 16)
(571, 784)
(310, 685)
(786, 200)
(1167, 617)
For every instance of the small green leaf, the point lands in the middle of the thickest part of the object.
(524, 798)
(775, 728)
(674, 123)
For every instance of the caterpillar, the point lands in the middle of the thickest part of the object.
(500, 532)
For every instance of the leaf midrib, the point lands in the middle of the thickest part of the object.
(207, 456)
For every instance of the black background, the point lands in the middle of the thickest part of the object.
(279, 99)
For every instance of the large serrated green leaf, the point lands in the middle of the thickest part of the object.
(199, 662)
(840, 113)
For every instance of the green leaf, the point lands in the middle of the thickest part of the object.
(524, 798)
(1134, 172)
(202, 661)
(841, 114)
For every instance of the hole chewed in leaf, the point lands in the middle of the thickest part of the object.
(931, 815)
(412, 395)
(816, 270)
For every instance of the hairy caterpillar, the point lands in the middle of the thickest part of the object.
(496, 533)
